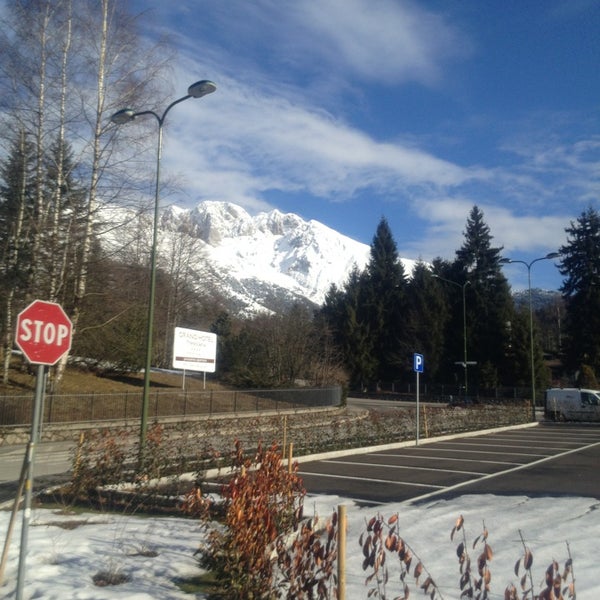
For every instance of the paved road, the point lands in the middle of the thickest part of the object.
(545, 459)
(51, 460)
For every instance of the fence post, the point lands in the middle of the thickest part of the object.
(49, 419)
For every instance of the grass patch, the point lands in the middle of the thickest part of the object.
(206, 584)
(81, 381)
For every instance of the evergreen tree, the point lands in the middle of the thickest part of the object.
(17, 191)
(454, 321)
(344, 313)
(426, 317)
(580, 263)
(386, 306)
(16, 208)
(488, 301)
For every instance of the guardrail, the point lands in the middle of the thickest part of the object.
(82, 408)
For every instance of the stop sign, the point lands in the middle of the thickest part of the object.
(43, 332)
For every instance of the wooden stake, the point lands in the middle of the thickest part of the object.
(290, 456)
(342, 524)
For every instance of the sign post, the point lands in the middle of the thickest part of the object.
(418, 364)
(44, 336)
(195, 351)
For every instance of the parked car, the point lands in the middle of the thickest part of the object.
(572, 404)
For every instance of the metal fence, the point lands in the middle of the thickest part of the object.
(81, 408)
(442, 392)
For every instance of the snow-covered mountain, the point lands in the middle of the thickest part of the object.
(257, 263)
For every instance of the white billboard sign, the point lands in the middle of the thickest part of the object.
(194, 350)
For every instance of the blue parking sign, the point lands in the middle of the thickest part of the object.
(418, 363)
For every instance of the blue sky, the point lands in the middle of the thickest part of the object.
(345, 111)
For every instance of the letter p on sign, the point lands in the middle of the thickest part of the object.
(418, 363)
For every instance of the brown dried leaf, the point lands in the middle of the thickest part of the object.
(392, 519)
(367, 546)
(418, 571)
(391, 542)
(489, 554)
(524, 581)
(517, 565)
(510, 593)
(528, 559)
(460, 550)
(481, 563)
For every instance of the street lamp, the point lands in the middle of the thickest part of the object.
(196, 90)
(506, 261)
(464, 303)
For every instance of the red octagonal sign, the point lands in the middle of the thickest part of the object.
(43, 332)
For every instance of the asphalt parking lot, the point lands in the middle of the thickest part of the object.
(543, 459)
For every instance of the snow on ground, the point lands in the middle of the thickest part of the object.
(61, 562)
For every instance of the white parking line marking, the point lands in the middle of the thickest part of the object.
(409, 468)
(436, 449)
(448, 458)
(351, 478)
(518, 468)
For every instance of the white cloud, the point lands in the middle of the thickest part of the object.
(384, 41)
(260, 142)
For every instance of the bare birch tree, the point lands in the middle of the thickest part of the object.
(69, 66)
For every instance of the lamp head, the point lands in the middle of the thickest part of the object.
(552, 255)
(505, 261)
(123, 116)
(201, 88)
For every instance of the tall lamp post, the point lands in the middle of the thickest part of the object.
(463, 286)
(549, 256)
(196, 90)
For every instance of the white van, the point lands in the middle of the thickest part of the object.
(572, 404)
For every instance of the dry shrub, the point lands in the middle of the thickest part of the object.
(262, 500)
(307, 566)
(381, 541)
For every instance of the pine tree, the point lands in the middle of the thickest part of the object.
(488, 301)
(343, 312)
(386, 306)
(16, 210)
(16, 207)
(426, 318)
(580, 263)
